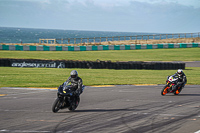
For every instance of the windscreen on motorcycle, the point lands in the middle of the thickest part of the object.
(66, 90)
(173, 78)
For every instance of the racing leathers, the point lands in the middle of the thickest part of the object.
(76, 84)
(182, 80)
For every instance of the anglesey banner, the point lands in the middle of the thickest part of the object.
(42, 64)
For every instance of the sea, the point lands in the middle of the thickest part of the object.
(32, 35)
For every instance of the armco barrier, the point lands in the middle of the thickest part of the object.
(91, 64)
(97, 48)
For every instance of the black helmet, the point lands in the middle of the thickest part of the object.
(74, 74)
(180, 72)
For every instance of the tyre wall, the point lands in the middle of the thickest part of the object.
(91, 64)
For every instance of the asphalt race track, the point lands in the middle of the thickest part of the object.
(111, 109)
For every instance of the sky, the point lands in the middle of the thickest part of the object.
(153, 16)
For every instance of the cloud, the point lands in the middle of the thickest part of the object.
(193, 3)
(107, 15)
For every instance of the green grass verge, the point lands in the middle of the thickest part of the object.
(53, 77)
(177, 54)
(47, 77)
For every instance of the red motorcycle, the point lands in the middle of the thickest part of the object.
(171, 82)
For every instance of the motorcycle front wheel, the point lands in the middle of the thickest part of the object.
(56, 105)
(164, 90)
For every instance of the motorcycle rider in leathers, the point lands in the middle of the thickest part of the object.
(182, 80)
(76, 82)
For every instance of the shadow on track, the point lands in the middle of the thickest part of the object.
(189, 95)
(102, 110)
(183, 95)
(108, 110)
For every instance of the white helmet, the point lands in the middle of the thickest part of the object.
(180, 72)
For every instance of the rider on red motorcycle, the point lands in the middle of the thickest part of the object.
(182, 80)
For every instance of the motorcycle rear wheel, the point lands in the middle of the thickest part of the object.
(164, 90)
(56, 105)
(74, 105)
(178, 91)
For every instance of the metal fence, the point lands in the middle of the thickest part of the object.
(118, 38)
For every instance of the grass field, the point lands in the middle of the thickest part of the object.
(53, 77)
(179, 54)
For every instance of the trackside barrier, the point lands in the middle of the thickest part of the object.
(99, 47)
(91, 64)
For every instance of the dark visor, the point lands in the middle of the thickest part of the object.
(73, 76)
